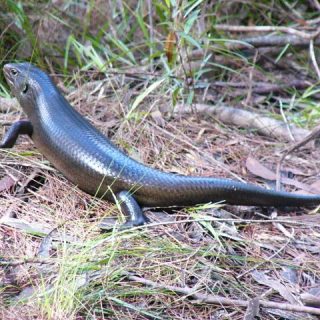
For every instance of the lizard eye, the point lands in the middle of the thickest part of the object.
(14, 72)
(25, 88)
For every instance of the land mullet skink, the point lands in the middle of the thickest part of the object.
(88, 159)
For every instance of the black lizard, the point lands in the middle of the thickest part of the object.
(87, 158)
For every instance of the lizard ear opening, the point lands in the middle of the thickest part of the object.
(25, 88)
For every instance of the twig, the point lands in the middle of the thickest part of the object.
(24, 261)
(151, 29)
(249, 94)
(215, 299)
(6, 29)
(285, 120)
(315, 133)
(288, 30)
(313, 59)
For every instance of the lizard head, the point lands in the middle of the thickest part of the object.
(26, 81)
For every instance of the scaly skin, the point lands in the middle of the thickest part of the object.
(88, 159)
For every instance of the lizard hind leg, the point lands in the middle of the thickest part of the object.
(130, 208)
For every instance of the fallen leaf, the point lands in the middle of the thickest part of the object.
(258, 169)
(6, 183)
(157, 117)
(276, 285)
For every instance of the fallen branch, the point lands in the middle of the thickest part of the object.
(222, 301)
(275, 40)
(246, 119)
(264, 87)
(256, 42)
(289, 30)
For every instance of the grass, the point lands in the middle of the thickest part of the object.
(119, 63)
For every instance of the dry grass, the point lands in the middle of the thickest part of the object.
(85, 274)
